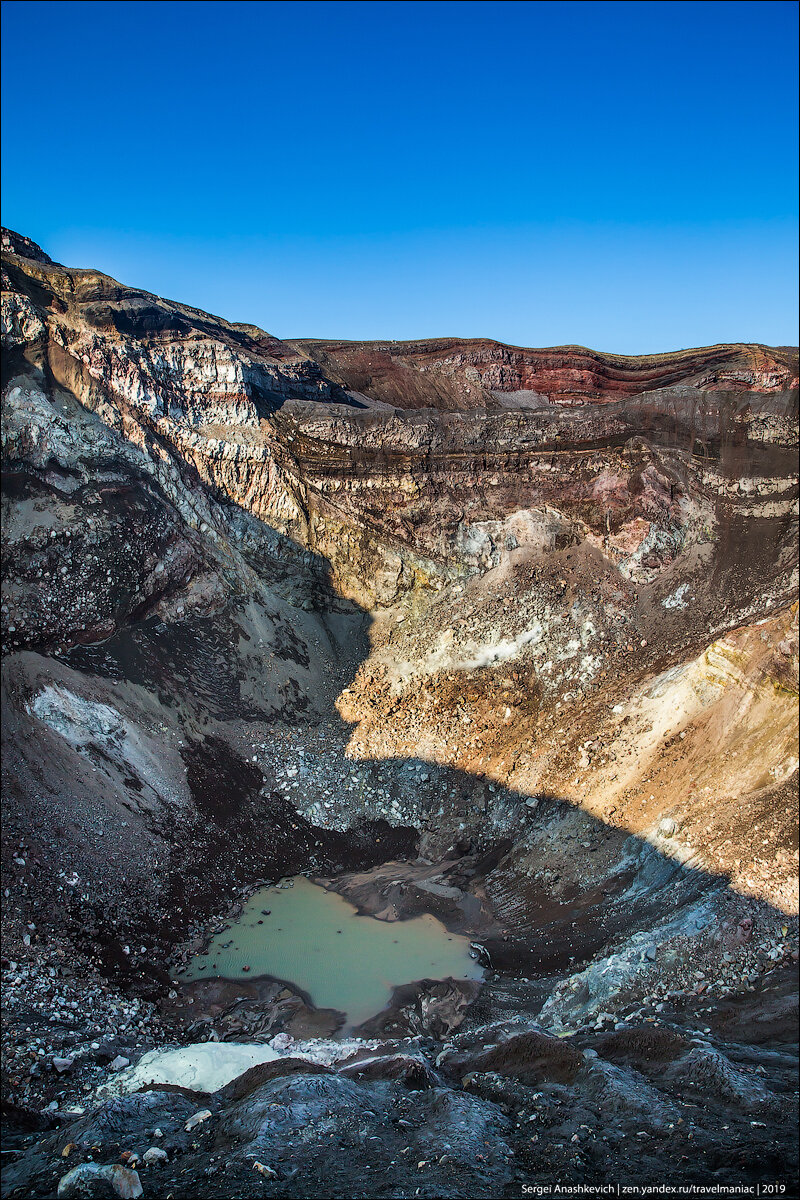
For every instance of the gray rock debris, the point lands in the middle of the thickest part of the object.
(155, 1157)
(709, 1072)
(91, 1180)
(626, 1093)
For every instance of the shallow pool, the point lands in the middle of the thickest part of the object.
(314, 939)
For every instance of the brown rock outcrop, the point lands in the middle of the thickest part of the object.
(463, 374)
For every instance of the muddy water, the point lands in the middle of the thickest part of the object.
(314, 939)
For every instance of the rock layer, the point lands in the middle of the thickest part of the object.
(456, 374)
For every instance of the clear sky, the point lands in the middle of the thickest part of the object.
(619, 175)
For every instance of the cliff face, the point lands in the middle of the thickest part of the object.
(456, 374)
(532, 615)
(165, 465)
(644, 458)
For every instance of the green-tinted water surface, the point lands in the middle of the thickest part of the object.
(316, 940)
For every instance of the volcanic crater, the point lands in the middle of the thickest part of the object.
(501, 638)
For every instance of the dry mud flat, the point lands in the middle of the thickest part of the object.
(507, 636)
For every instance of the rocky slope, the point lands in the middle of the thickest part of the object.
(521, 624)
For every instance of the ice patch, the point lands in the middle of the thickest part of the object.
(202, 1066)
(77, 720)
(209, 1066)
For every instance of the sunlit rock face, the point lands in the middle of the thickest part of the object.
(644, 458)
(535, 534)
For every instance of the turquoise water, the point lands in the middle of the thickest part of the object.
(316, 940)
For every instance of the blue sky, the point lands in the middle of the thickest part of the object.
(619, 175)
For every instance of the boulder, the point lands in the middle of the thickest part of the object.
(91, 1180)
